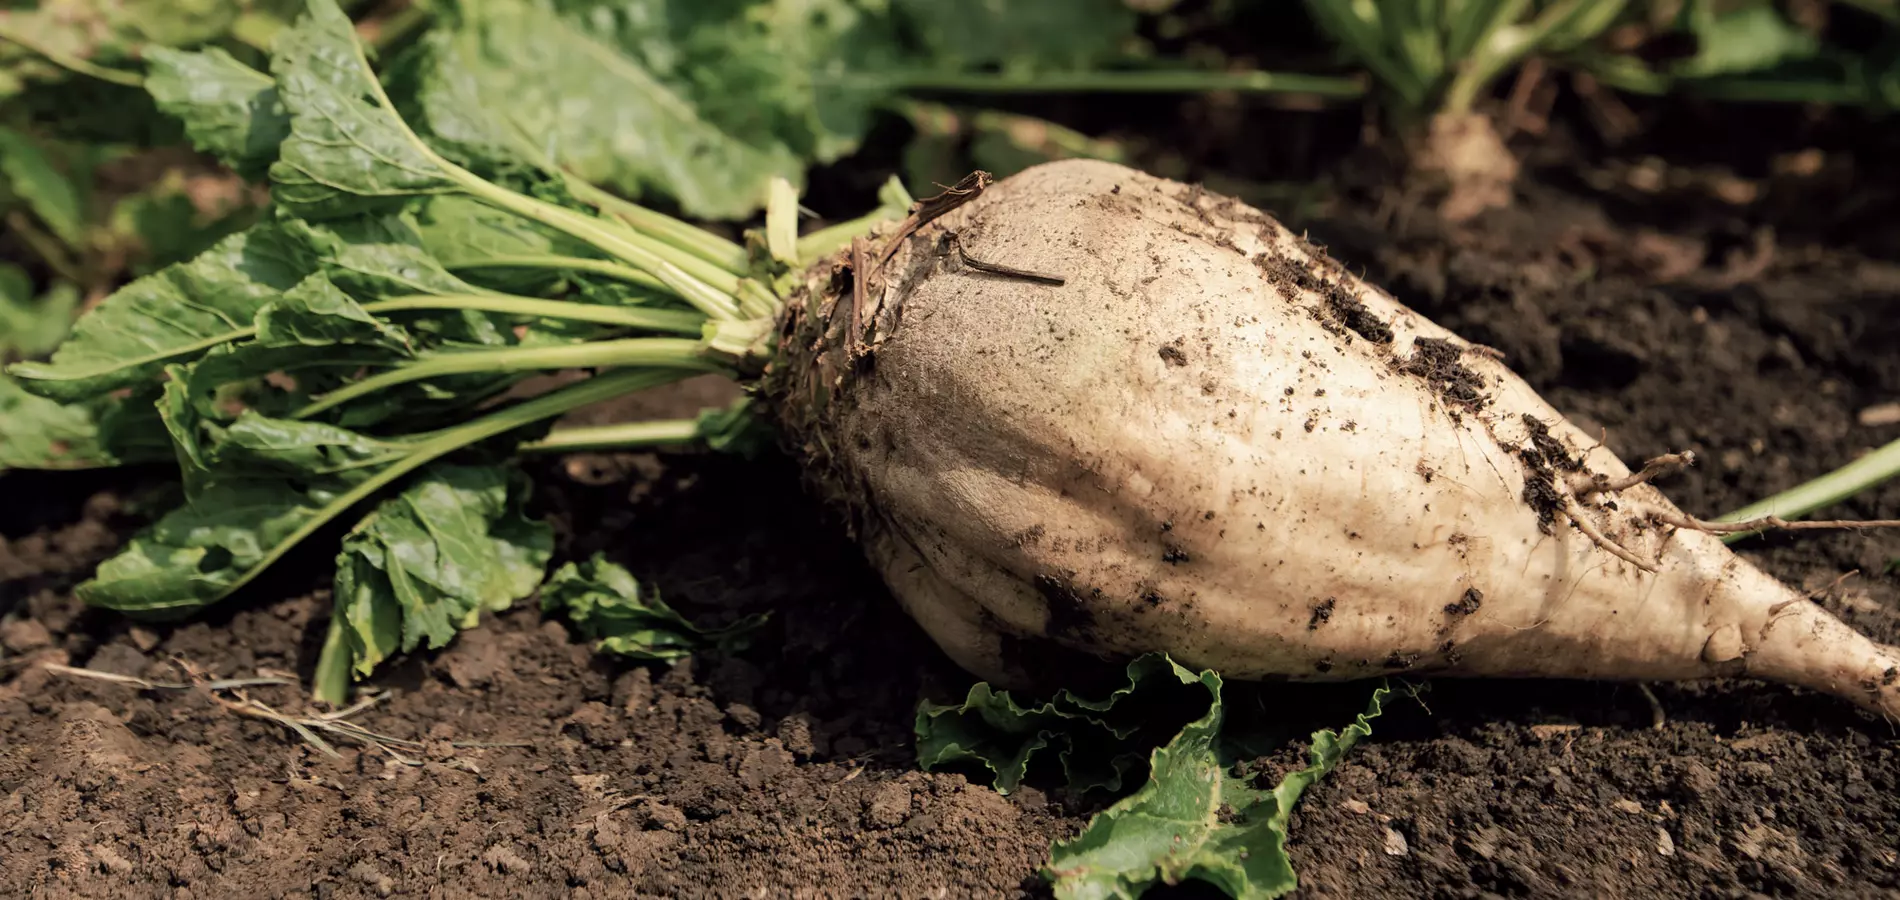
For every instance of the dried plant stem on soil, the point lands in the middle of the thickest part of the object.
(309, 728)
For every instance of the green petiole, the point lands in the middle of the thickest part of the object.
(605, 267)
(710, 247)
(667, 353)
(700, 283)
(670, 321)
(620, 436)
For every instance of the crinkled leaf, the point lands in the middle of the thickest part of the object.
(196, 553)
(374, 257)
(348, 151)
(317, 339)
(493, 90)
(176, 313)
(258, 447)
(607, 605)
(1199, 817)
(229, 109)
(308, 342)
(252, 488)
(428, 561)
(1098, 742)
(379, 256)
(31, 176)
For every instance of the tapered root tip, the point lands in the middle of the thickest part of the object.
(1806, 646)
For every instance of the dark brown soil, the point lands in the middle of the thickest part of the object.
(788, 770)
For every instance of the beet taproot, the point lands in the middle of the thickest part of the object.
(1212, 440)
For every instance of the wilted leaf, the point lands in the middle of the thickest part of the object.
(428, 561)
(738, 429)
(606, 605)
(1097, 741)
(1199, 817)
(170, 221)
(109, 33)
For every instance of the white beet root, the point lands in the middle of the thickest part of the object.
(1213, 441)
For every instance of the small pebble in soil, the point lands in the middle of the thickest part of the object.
(143, 638)
(888, 806)
(24, 635)
(118, 659)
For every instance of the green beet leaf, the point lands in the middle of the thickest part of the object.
(161, 226)
(1097, 742)
(176, 313)
(229, 109)
(765, 72)
(493, 90)
(31, 176)
(312, 340)
(467, 236)
(1747, 38)
(37, 433)
(607, 605)
(197, 553)
(254, 488)
(1053, 35)
(348, 151)
(1199, 817)
(379, 256)
(428, 561)
(32, 325)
